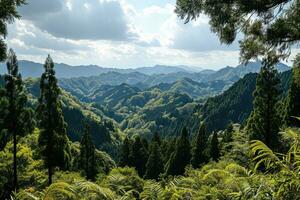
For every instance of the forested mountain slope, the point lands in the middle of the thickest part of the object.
(235, 104)
(85, 85)
(145, 112)
(104, 132)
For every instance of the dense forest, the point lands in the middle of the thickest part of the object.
(227, 134)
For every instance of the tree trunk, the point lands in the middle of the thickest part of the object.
(49, 175)
(15, 163)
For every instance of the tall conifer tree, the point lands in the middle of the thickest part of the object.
(293, 99)
(154, 165)
(214, 147)
(138, 156)
(181, 157)
(53, 140)
(125, 153)
(18, 119)
(198, 155)
(87, 154)
(264, 121)
(4, 136)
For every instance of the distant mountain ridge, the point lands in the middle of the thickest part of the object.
(209, 79)
(33, 69)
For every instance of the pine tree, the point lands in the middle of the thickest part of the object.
(264, 121)
(154, 165)
(18, 120)
(4, 135)
(125, 153)
(53, 140)
(87, 154)
(181, 157)
(138, 156)
(198, 155)
(214, 147)
(293, 99)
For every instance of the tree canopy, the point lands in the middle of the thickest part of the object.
(53, 137)
(8, 10)
(269, 27)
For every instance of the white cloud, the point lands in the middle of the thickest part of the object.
(79, 19)
(115, 34)
(33, 37)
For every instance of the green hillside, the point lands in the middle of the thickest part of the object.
(166, 113)
(105, 133)
(235, 104)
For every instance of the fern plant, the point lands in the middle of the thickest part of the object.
(285, 168)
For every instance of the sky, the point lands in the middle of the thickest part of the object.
(116, 33)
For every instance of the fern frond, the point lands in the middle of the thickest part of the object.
(91, 190)
(264, 155)
(23, 195)
(129, 195)
(59, 190)
(152, 190)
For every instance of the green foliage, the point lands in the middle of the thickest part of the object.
(31, 173)
(234, 105)
(168, 146)
(264, 122)
(224, 179)
(238, 149)
(274, 29)
(18, 120)
(286, 165)
(199, 154)
(227, 137)
(103, 162)
(138, 156)
(164, 113)
(4, 112)
(125, 152)
(9, 13)
(123, 181)
(65, 191)
(156, 138)
(53, 139)
(293, 98)
(214, 147)
(154, 166)
(104, 132)
(181, 157)
(87, 155)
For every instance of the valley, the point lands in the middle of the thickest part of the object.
(149, 100)
(134, 103)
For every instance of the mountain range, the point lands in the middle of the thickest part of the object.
(33, 69)
(145, 100)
